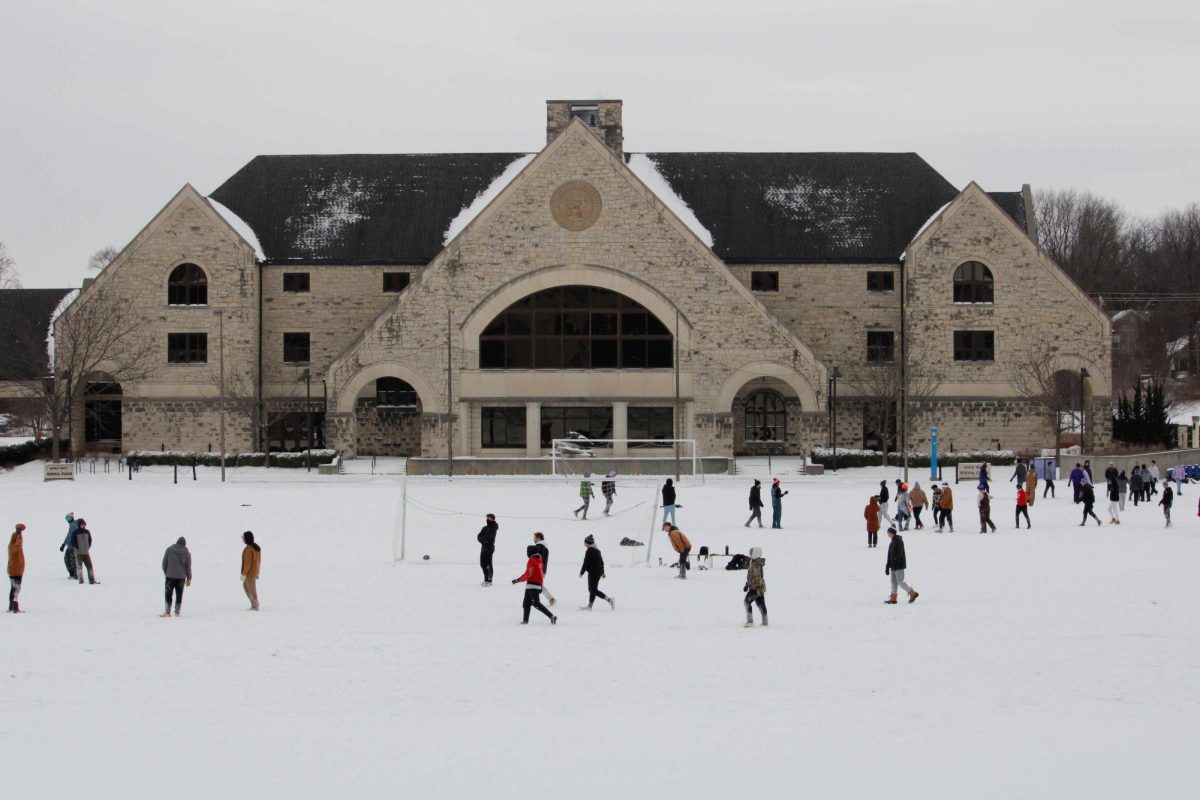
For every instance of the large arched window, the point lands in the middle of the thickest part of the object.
(766, 417)
(973, 283)
(187, 286)
(575, 327)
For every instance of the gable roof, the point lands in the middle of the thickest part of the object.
(24, 323)
(1013, 204)
(759, 207)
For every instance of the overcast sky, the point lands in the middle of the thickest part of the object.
(110, 106)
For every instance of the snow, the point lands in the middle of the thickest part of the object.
(240, 226)
(1182, 413)
(330, 208)
(1052, 663)
(484, 198)
(62, 306)
(647, 172)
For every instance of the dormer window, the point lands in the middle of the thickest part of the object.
(588, 115)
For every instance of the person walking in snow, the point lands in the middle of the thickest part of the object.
(682, 546)
(936, 502)
(593, 567)
(539, 544)
(1180, 475)
(985, 476)
(1076, 481)
(1049, 488)
(1023, 508)
(883, 497)
(755, 588)
(871, 514)
(1114, 503)
(532, 577)
(177, 569)
(985, 512)
(897, 563)
(67, 548)
(1168, 499)
(777, 495)
(756, 503)
(1087, 494)
(1154, 476)
(251, 567)
(668, 498)
(947, 504)
(608, 488)
(16, 567)
(1122, 487)
(1031, 481)
(487, 547)
(82, 542)
(1137, 484)
(904, 507)
(586, 491)
(919, 502)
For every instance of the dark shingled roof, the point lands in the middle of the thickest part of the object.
(24, 321)
(1013, 204)
(759, 207)
(357, 208)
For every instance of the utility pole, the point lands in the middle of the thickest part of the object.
(221, 381)
(678, 420)
(449, 396)
(307, 378)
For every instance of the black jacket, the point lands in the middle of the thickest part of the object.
(1088, 494)
(756, 497)
(593, 562)
(1110, 474)
(541, 549)
(668, 495)
(1114, 493)
(487, 536)
(896, 559)
(883, 495)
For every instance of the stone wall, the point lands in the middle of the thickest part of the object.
(387, 431)
(189, 425)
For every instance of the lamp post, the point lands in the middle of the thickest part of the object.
(1083, 376)
(834, 374)
(221, 381)
(307, 378)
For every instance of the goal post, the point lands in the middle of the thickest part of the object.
(572, 457)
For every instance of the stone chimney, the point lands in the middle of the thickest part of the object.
(602, 117)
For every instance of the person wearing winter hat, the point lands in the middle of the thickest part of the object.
(251, 566)
(487, 547)
(682, 546)
(896, 564)
(777, 494)
(82, 542)
(755, 588)
(177, 568)
(608, 488)
(756, 503)
(67, 548)
(16, 566)
(539, 544)
(919, 502)
(903, 507)
(947, 504)
(532, 578)
(593, 567)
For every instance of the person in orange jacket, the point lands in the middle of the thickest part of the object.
(251, 565)
(532, 578)
(16, 567)
(947, 505)
(871, 513)
(682, 545)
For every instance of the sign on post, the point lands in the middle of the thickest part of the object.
(58, 472)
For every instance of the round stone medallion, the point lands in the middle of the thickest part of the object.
(575, 205)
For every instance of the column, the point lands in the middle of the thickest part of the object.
(620, 430)
(463, 444)
(533, 429)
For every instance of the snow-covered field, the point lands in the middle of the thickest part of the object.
(1060, 662)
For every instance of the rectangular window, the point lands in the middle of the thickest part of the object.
(594, 422)
(187, 348)
(651, 423)
(881, 347)
(503, 427)
(881, 281)
(764, 281)
(395, 281)
(295, 281)
(974, 346)
(295, 348)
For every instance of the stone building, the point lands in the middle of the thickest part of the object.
(485, 304)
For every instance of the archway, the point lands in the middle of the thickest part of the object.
(387, 415)
(766, 417)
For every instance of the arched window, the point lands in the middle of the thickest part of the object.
(187, 286)
(973, 283)
(575, 327)
(766, 417)
(394, 393)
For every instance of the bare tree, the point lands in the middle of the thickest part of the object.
(98, 337)
(1040, 377)
(102, 258)
(8, 270)
(879, 386)
(1088, 236)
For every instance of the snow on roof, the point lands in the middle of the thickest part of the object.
(1182, 413)
(484, 198)
(239, 226)
(643, 167)
(68, 298)
(921, 230)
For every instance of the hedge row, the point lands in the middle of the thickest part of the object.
(871, 458)
(147, 458)
(16, 454)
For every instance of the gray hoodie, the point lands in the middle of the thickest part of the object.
(177, 561)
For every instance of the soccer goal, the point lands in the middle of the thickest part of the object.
(574, 456)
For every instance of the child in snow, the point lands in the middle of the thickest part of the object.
(896, 564)
(755, 588)
(871, 513)
(532, 578)
(586, 492)
(1023, 508)
(608, 487)
(1168, 498)
(16, 567)
(593, 566)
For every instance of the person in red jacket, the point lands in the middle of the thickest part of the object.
(1023, 508)
(532, 578)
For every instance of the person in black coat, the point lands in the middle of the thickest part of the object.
(539, 546)
(756, 503)
(593, 567)
(897, 562)
(487, 547)
(1087, 493)
(668, 497)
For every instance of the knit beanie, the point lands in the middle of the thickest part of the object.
(590, 540)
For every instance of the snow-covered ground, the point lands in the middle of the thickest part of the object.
(1059, 663)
